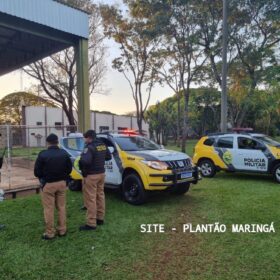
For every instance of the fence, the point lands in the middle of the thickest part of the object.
(19, 147)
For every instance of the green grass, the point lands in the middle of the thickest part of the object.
(108, 253)
(189, 146)
(118, 250)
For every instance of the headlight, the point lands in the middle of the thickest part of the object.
(159, 165)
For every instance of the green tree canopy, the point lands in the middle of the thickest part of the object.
(11, 106)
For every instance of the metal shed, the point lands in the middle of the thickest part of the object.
(33, 29)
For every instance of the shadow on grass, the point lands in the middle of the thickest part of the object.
(157, 198)
(242, 177)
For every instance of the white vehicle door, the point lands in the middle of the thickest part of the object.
(249, 155)
(113, 167)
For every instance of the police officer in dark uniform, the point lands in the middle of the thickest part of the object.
(92, 166)
(53, 167)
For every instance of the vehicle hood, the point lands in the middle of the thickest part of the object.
(162, 155)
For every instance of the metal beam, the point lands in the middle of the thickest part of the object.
(17, 24)
(83, 85)
(44, 34)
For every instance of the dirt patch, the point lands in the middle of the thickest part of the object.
(17, 177)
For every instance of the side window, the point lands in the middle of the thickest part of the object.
(76, 144)
(225, 142)
(107, 142)
(209, 141)
(247, 143)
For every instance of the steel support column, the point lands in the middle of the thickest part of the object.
(83, 85)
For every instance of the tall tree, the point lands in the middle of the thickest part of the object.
(11, 106)
(255, 35)
(183, 38)
(253, 43)
(138, 40)
(169, 74)
(57, 74)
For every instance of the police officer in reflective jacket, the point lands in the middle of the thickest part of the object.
(92, 164)
(53, 167)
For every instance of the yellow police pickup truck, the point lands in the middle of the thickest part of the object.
(241, 152)
(138, 165)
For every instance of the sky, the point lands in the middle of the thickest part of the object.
(119, 98)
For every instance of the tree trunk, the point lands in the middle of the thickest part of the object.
(139, 123)
(186, 115)
(245, 107)
(70, 115)
(178, 119)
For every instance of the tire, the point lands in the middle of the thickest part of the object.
(133, 190)
(208, 168)
(181, 189)
(75, 185)
(276, 173)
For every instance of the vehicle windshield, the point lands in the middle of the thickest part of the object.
(268, 141)
(73, 145)
(136, 143)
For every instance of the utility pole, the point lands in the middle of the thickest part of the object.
(224, 105)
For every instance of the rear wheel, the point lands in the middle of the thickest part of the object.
(75, 185)
(208, 168)
(276, 173)
(133, 189)
(181, 189)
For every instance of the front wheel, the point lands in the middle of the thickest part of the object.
(181, 189)
(276, 173)
(75, 185)
(208, 168)
(133, 189)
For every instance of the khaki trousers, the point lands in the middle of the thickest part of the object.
(94, 198)
(53, 196)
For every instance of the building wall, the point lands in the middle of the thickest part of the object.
(101, 122)
(40, 121)
(123, 122)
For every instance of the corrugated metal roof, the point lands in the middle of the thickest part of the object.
(49, 13)
(71, 6)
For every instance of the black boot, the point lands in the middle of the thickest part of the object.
(87, 227)
(46, 237)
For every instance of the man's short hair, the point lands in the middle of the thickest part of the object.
(52, 139)
(90, 134)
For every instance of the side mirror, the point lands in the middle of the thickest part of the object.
(111, 149)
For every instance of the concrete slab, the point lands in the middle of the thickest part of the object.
(17, 177)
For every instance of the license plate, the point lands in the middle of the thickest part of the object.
(186, 175)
